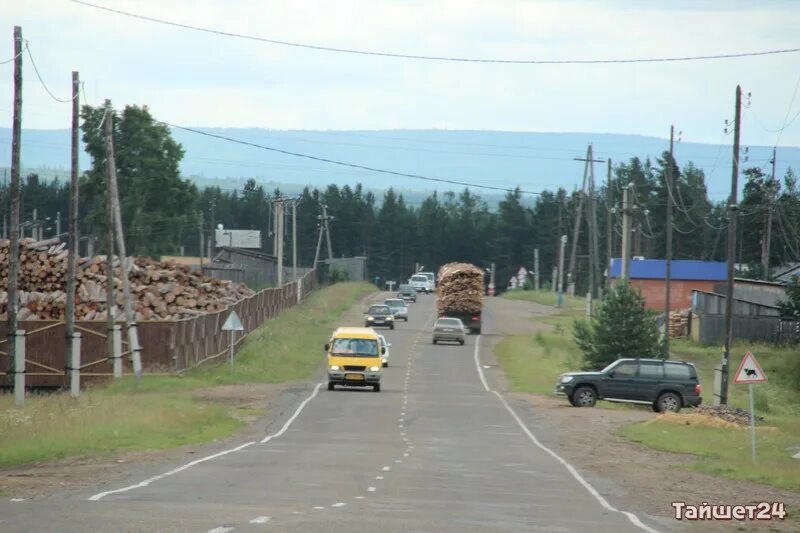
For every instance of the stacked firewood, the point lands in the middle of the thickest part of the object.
(679, 324)
(460, 288)
(159, 290)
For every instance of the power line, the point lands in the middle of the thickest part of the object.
(439, 58)
(5, 62)
(36, 69)
(344, 164)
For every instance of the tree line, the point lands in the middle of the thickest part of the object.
(163, 212)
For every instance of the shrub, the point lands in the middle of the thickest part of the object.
(620, 327)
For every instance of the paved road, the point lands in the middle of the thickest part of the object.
(435, 451)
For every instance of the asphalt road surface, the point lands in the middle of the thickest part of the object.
(435, 451)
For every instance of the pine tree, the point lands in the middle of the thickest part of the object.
(791, 306)
(621, 327)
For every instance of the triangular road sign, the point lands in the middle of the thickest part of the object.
(233, 323)
(750, 371)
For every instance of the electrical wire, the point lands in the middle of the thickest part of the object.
(38, 75)
(434, 57)
(786, 124)
(345, 164)
(24, 47)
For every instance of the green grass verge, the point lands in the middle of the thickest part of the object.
(163, 412)
(533, 363)
(726, 451)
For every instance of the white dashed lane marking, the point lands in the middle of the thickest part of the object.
(339, 504)
(260, 520)
(370, 489)
(220, 530)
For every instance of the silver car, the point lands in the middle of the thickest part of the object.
(449, 329)
(398, 307)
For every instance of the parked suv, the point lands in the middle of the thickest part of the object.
(664, 385)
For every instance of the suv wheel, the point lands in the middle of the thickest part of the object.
(584, 397)
(669, 401)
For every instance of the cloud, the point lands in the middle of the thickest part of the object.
(202, 79)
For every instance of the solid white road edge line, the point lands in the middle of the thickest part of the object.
(146, 482)
(294, 416)
(571, 469)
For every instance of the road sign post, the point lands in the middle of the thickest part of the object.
(232, 324)
(750, 372)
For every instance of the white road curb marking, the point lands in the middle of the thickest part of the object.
(146, 482)
(294, 416)
(571, 469)
(260, 520)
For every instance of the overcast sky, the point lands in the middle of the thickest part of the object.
(197, 79)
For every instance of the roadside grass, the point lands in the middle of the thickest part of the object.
(725, 451)
(164, 411)
(532, 363)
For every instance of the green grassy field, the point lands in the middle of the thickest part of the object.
(163, 412)
(532, 364)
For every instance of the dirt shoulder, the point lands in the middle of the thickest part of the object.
(255, 404)
(641, 478)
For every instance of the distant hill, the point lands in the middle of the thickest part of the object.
(533, 161)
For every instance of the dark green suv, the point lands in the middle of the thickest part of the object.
(664, 385)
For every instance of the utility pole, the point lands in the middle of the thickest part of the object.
(536, 269)
(577, 227)
(668, 254)
(594, 263)
(13, 260)
(279, 237)
(110, 293)
(202, 235)
(588, 174)
(731, 250)
(294, 240)
(609, 224)
(561, 250)
(72, 251)
(326, 218)
(212, 236)
(275, 227)
(766, 241)
(626, 233)
(130, 319)
(319, 240)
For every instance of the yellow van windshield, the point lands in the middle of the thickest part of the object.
(355, 347)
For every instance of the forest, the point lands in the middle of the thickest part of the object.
(163, 212)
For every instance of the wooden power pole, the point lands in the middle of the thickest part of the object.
(609, 224)
(766, 241)
(72, 252)
(588, 181)
(13, 259)
(668, 252)
(116, 213)
(627, 230)
(731, 250)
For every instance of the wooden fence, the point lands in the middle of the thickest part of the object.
(167, 346)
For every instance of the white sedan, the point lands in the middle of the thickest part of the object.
(387, 345)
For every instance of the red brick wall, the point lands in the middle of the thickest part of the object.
(681, 292)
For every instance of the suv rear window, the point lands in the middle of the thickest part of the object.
(651, 370)
(678, 371)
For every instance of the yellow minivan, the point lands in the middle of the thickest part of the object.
(354, 358)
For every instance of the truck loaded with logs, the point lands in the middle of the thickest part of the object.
(160, 290)
(460, 294)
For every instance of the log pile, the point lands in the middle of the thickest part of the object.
(460, 288)
(159, 290)
(678, 324)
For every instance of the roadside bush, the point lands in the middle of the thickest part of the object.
(620, 327)
(338, 274)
